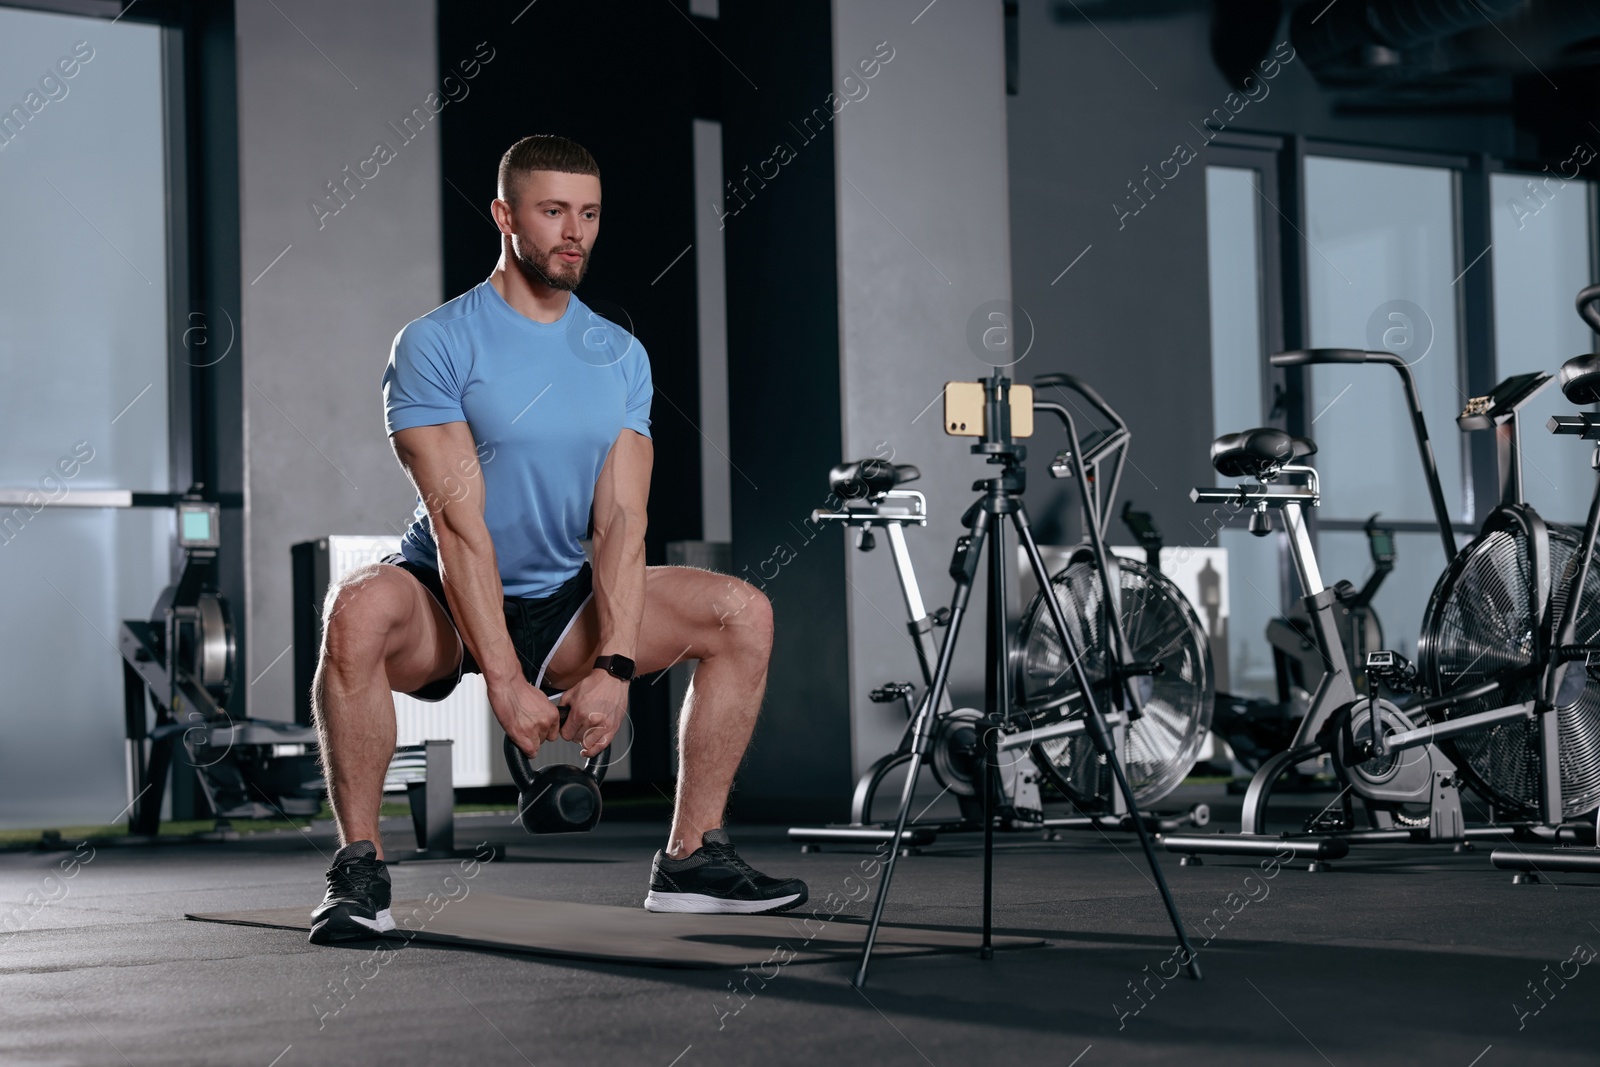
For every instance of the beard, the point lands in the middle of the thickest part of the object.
(543, 266)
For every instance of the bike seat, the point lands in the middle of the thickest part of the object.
(869, 477)
(1259, 452)
(1580, 379)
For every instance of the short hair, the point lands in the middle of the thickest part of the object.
(542, 152)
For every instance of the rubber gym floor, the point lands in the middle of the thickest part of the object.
(1394, 956)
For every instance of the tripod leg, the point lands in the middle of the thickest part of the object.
(986, 949)
(912, 771)
(999, 700)
(962, 568)
(1100, 733)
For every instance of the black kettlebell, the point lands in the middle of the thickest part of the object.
(560, 798)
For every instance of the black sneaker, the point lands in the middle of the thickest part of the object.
(713, 880)
(357, 905)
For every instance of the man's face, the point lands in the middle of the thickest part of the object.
(553, 226)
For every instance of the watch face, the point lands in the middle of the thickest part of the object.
(617, 666)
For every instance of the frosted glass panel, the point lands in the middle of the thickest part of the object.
(83, 400)
(1380, 269)
(83, 281)
(1233, 244)
(1541, 259)
(72, 574)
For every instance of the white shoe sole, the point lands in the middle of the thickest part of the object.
(700, 904)
(383, 924)
(334, 928)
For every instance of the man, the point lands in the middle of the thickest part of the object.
(514, 409)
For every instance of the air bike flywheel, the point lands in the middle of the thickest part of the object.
(1163, 744)
(1480, 625)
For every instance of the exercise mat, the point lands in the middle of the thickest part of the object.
(633, 935)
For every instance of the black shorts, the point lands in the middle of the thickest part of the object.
(537, 625)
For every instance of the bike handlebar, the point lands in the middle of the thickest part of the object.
(1083, 389)
(1301, 357)
(1589, 306)
(1419, 425)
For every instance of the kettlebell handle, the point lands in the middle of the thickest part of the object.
(522, 772)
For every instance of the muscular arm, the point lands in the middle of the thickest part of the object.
(442, 462)
(598, 700)
(620, 497)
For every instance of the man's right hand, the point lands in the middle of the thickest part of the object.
(528, 716)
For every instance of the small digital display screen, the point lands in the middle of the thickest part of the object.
(197, 525)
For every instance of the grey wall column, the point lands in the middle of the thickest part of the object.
(924, 242)
(325, 289)
(711, 291)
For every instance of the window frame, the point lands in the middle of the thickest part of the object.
(1286, 299)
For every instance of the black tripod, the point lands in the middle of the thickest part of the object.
(1003, 496)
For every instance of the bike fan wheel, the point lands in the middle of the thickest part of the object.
(1480, 625)
(1161, 627)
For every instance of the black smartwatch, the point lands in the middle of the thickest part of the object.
(616, 666)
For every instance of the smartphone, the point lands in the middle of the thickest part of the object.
(964, 406)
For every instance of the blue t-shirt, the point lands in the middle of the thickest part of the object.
(544, 401)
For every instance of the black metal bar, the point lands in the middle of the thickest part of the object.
(435, 828)
(1561, 859)
(1320, 848)
(1430, 468)
(1476, 313)
(1112, 596)
(914, 837)
(998, 711)
(136, 713)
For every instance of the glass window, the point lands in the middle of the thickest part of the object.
(1234, 260)
(1542, 257)
(83, 359)
(1381, 271)
(1238, 357)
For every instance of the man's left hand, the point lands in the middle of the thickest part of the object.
(596, 706)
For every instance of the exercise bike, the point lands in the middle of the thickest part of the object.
(1523, 731)
(1391, 794)
(1145, 653)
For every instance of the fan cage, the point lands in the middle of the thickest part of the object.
(1480, 626)
(1162, 745)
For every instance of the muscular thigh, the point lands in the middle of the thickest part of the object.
(687, 611)
(419, 642)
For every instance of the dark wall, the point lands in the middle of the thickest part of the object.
(626, 80)
(1132, 316)
(630, 103)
